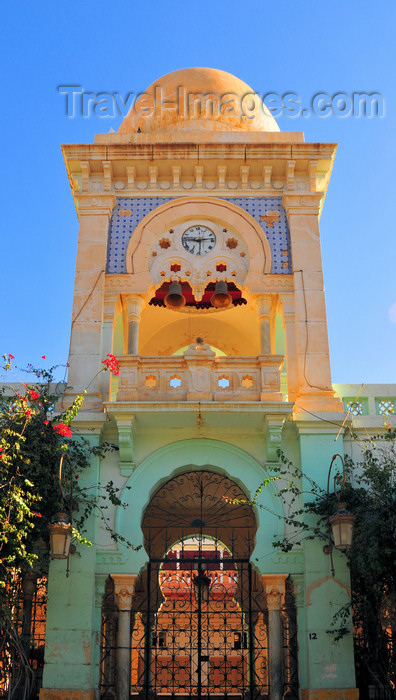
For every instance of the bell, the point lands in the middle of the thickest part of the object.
(221, 298)
(174, 299)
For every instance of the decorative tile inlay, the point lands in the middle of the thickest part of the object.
(129, 212)
(277, 235)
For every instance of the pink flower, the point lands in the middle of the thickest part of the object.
(62, 429)
(46, 422)
(33, 395)
(28, 413)
(111, 363)
(11, 357)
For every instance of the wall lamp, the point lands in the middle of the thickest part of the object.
(60, 530)
(341, 523)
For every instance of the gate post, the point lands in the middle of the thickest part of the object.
(124, 588)
(274, 586)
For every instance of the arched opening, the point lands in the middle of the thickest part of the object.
(203, 630)
(200, 503)
(199, 619)
(234, 330)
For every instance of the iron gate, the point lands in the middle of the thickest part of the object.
(198, 630)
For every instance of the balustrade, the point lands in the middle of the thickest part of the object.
(199, 375)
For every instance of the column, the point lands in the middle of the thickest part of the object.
(327, 669)
(109, 316)
(29, 584)
(315, 389)
(85, 339)
(263, 304)
(124, 587)
(274, 586)
(100, 589)
(70, 636)
(287, 301)
(134, 304)
(299, 597)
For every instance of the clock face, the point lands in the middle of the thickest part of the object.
(198, 240)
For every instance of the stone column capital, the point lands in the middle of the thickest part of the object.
(110, 301)
(95, 204)
(134, 304)
(274, 587)
(302, 204)
(124, 588)
(288, 303)
(29, 583)
(263, 304)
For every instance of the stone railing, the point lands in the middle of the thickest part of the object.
(199, 375)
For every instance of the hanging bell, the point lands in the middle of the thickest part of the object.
(221, 297)
(174, 299)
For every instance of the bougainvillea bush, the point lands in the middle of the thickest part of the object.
(33, 439)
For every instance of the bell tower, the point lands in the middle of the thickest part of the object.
(199, 266)
(201, 227)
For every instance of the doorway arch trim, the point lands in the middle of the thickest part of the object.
(198, 454)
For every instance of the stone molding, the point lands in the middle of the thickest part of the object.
(274, 587)
(124, 588)
(125, 426)
(110, 303)
(95, 204)
(122, 282)
(174, 174)
(302, 204)
(273, 426)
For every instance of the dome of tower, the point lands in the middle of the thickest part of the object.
(198, 99)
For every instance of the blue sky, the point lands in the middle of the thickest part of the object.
(299, 46)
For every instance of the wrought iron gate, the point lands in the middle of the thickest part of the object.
(198, 630)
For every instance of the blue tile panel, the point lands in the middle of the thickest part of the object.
(121, 228)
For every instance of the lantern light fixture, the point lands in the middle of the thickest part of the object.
(61, 529)
(341, 522)
(342, 526)
(60, 536)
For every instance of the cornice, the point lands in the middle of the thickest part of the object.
(187, 168)
(328, 423)
(122, 408)
(193, 150)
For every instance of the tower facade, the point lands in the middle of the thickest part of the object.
(199, 267)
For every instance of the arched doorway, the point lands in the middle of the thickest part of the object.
(200, 624)
(199, 617)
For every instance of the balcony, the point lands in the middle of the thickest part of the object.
(199, 375)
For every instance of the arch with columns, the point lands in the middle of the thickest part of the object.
(194, 455)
